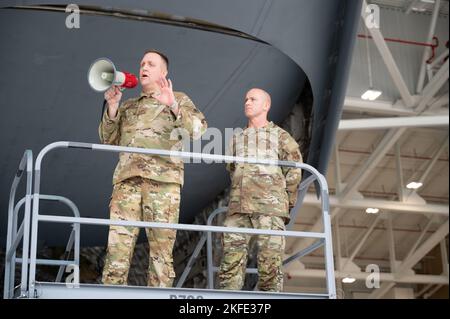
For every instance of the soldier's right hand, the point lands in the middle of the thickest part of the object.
(112, 97)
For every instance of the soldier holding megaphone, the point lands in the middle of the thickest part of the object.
(146, 187)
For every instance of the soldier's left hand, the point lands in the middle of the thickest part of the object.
(165, 95)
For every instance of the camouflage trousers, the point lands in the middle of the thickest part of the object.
(235, 252)
(141, 199)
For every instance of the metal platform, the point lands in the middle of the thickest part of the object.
(48, 290)
(27, 233)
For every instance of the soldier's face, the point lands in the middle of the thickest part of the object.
(152, 69)
(255, 104)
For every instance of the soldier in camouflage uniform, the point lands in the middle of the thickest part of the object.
(147, 187)
(261, 196)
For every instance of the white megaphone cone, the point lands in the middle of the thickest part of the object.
(103, 74)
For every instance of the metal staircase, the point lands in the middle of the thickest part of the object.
(30, 288)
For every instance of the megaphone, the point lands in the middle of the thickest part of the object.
(103, 74)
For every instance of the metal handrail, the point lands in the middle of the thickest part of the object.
(15, 236)
(197, 249)
(74, 239)
(301, 193)
(207, 238)
(184, 155)
(210, 265)
(8, 289)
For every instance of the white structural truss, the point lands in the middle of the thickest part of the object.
(395, 124)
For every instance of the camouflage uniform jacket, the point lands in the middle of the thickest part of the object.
(144, 122)
(268, 190)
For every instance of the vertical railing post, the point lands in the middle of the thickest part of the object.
(10, 264)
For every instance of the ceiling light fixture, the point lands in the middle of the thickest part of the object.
(370, 94)
(414, 185)
(348, 279)
(372, 210)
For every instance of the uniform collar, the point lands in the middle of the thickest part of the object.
(146, 95)
(268, 125)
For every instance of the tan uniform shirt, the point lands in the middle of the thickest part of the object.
(263, 189)
(144, 122)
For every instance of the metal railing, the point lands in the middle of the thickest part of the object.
(323, 238)
(13, 236)
(207, 238)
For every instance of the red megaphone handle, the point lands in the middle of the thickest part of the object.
(130, 80)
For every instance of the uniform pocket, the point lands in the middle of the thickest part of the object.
(174, 208)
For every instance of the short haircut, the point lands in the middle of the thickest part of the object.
(265, 93)
(162, 55)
